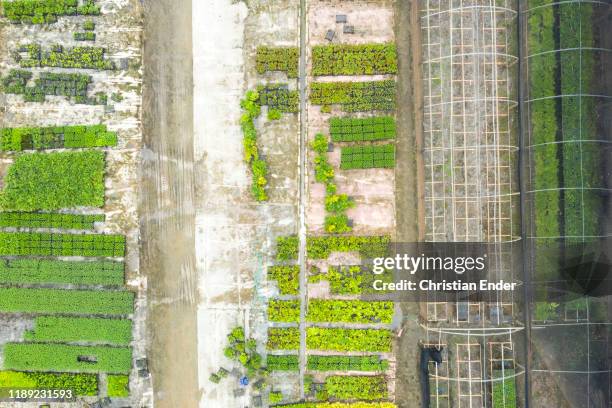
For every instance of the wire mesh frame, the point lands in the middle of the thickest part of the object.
(439, 379)
(469, 355)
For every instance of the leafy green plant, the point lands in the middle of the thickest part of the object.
(279, 97)
(355, 96)
(287, 311)
(349, 311)
(368, 388)
(274, 114)
(50, 244)
(49, 220)
(283, 338)
(336, 339)
(76, 57)
(337, 224)
(72, 86)
(48, 271)
(60, 301)
(53, 329)
(503, 389)
(360, 59)
(283, 362)
(80, 384)
(287, 248)
(252, 109)
(341, 404)
(84, 36)
(284, 59)
(63, 357)
(244, 351)
(46, 11)
(367, 156)
(347, 363)
(362, 129)
(275, 397)
(287, 278)
(118, 386)
(89, 25)
(56, 137)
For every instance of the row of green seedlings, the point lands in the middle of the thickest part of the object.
(571, 69)
(354, 96)
(61, 244)
(50, 220)
(361, 59)
(335, 204)
(331, 339)
(331, 311)
(82, 57)
(290, 362)
(72, 86)
(345, 387)
(46, 11)
(320, 247)
(56, 137)
(81, 384)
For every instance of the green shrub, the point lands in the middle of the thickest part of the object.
(367, 246)
(118, 386)
(251, 110)
(60, 301)
(341, 405)
(80, 384)
(287, 248)
(337, 224)
(284, 59)
(276, 397)
(283, 338)
(89, 25)
(79, 329)
(347, 363)
(49, 244)
(49, 220)
(72, 86)
(287, 278)
(62, 357)
(283, 362)
(36, 271)
(279, 97)
(336, 339)
(52, 181)
(349, 311)
(274, 114)
(286, 311)
(361, 59)
(84, 36)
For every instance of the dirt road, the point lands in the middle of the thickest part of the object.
(167, 224)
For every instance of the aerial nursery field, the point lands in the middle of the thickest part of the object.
(282, 362)
(52, 181)
(46, 11)
(347, 363)
(286, 277)
(60, 57)
(80, 329)
(278, 96)
(320, 247)
(362, 59)
(335, 339)
(56, 137)
(287, 311)
(349, 311)
(367, 388)
(82, 384)
(283, 338)
(50, 244)
(367, 157)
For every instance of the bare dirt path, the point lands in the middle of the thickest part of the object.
(167, 224)
(409, 187)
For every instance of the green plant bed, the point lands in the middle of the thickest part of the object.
(84, 36)
(287, 311)
(279, 97)
(59, 301)
(56, 137)
(49, 220)
(53, 181)
(46, 244)
(355, 96)
(287, 278)
(283, 338)
(337, 224)
(367, 157)
(368, 246)
(259, 169)
(80, 329)
(287, 248)
(361, 59)
(349, 311)
(547, 213)
(72, 86)
(46, 11)
(284, 59)
(504, 390)
(118, 386)
(335, 339)
(283, 362)
(80, 384)
(36, 271)
(341, 405)
(362, 129)
(347, 363)
(62, 357)
(81, 57)
(344, 387)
